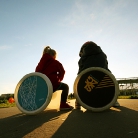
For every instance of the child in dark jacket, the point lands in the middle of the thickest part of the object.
(54, 70)
(91, 55)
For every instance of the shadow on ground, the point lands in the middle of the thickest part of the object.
(114, 123)
(119, 122)
(19, 125)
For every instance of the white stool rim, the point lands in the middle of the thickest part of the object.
(49, 96)
(89, 107)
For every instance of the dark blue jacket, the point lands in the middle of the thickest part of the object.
(92, 56)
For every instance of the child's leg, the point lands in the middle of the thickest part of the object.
(77, 105)
(65, 90)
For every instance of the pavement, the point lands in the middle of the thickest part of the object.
(121, 122)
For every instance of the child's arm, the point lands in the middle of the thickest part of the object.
(40, 65)
(61, 72)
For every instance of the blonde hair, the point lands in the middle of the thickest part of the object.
(49, 51)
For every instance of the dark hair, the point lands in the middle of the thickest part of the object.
(86, 44)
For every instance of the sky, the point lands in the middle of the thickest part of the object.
(27, 26)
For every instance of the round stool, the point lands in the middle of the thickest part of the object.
(96, 89)
(33, 93)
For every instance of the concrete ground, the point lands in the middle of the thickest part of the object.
(121, 122)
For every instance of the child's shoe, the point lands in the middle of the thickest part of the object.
(116, 104)
(77, 105)
(65, 106)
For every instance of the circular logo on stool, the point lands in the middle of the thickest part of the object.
(95, 89)
(33, 93)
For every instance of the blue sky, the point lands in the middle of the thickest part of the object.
(27, 26)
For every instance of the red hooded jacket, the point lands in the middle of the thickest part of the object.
(52, 68)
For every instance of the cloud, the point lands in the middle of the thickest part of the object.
(5, 47)
(28, 45)
(19, 37)
(94, 13)
(77, 15)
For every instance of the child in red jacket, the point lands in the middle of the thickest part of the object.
(54, 70)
